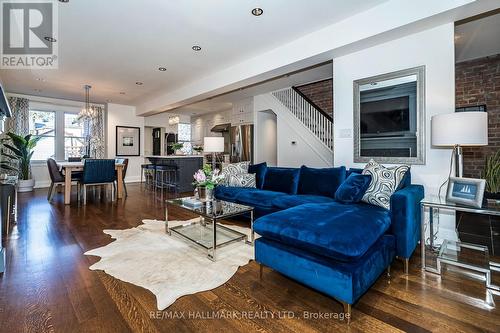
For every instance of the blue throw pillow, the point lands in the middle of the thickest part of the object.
(281, 180)
(353, 188)
(260, 172)
(324, 181)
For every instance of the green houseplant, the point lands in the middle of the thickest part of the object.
(19, 151)
(176, 147)
(491, 174)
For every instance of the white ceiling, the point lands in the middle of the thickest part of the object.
(113, 44)
(477, 39)
(225, 102)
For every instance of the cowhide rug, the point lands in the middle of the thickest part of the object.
(168, 266)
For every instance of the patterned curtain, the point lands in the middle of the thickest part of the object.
(19, 122)
(94, 133)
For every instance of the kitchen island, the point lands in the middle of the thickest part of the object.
(187, 165)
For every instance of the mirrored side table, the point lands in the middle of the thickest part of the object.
(471, 257)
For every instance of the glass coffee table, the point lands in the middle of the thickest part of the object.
(206, 232)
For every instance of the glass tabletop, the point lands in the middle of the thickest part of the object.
(465, 253)
(203, 234)
(489, 207)
(216, 209)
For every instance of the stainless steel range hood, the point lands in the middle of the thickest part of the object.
(221, 128)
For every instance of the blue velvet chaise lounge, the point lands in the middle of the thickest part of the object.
(337, 248)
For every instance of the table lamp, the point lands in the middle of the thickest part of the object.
(213, 144)
(457, 130)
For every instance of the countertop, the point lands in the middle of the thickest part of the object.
(173, 156)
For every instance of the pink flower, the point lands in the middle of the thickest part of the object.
(199, 176)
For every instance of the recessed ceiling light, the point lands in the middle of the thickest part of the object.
(122, 93)
(50, 39)
(162, 69)
(139, 83)
(41, 79)
(108, 101)
(65, 1)
(257, 11)
(196, 48)
(38, 90)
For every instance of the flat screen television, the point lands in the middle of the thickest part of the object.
(385, 117)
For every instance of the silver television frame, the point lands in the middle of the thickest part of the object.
(420, 133)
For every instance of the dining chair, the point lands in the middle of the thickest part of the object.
(57, 178)
(123, 161)
(98, 172)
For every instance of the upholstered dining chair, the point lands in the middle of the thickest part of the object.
(98, 172)
(56, 178)
(123, 161)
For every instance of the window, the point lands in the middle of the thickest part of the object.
(74, 138)
(43, 124)
(184, 136)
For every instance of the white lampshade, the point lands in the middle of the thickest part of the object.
(460, 128)
(213, 144)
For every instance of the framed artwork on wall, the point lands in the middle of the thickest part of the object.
(128, 141)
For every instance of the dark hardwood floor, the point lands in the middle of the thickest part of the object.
(48, 287)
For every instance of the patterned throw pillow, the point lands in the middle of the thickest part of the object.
(234, 169)
(242, 180)
(384, 183)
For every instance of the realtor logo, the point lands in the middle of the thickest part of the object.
(29, 30)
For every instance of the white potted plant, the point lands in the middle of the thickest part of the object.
(20, 151)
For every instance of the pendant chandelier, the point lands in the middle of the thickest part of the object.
(88, 112)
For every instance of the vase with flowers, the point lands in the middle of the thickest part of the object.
(205, 181)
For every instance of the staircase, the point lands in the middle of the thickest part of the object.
(319, 123)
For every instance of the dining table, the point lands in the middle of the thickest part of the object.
(69, 167)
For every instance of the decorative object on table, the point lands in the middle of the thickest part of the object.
(198, 149)
(176, 147)
(205, 180)
(213, 144)
(21, 151)
(491, 174)
(466, 191)
(385, 181)
(176, 268)
(457, 130)
(128, 141)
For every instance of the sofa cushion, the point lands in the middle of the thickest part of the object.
(283, 180)
(257, 197)
(228, 193)
(353, 188)
(324, 181)
(385, 181)
(241, 180)
(293, 200)
(342, 232)
(260, 172)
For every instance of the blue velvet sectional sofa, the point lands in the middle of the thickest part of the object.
(306, 234)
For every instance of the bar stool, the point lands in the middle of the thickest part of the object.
(149, 172)
(166, 178)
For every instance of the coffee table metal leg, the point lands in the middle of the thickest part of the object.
(214, 244)
(166, 220)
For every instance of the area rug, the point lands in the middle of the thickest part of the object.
(168, 266)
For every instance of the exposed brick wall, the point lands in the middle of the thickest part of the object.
(320, 93)
(478, 82)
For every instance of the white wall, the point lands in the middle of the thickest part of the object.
(433, 48)
(202, 124)
(124, 115)
(296, 145)
(266, 147)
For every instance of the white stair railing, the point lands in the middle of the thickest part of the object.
(319, 124)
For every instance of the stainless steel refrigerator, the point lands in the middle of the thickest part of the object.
(241, 138)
